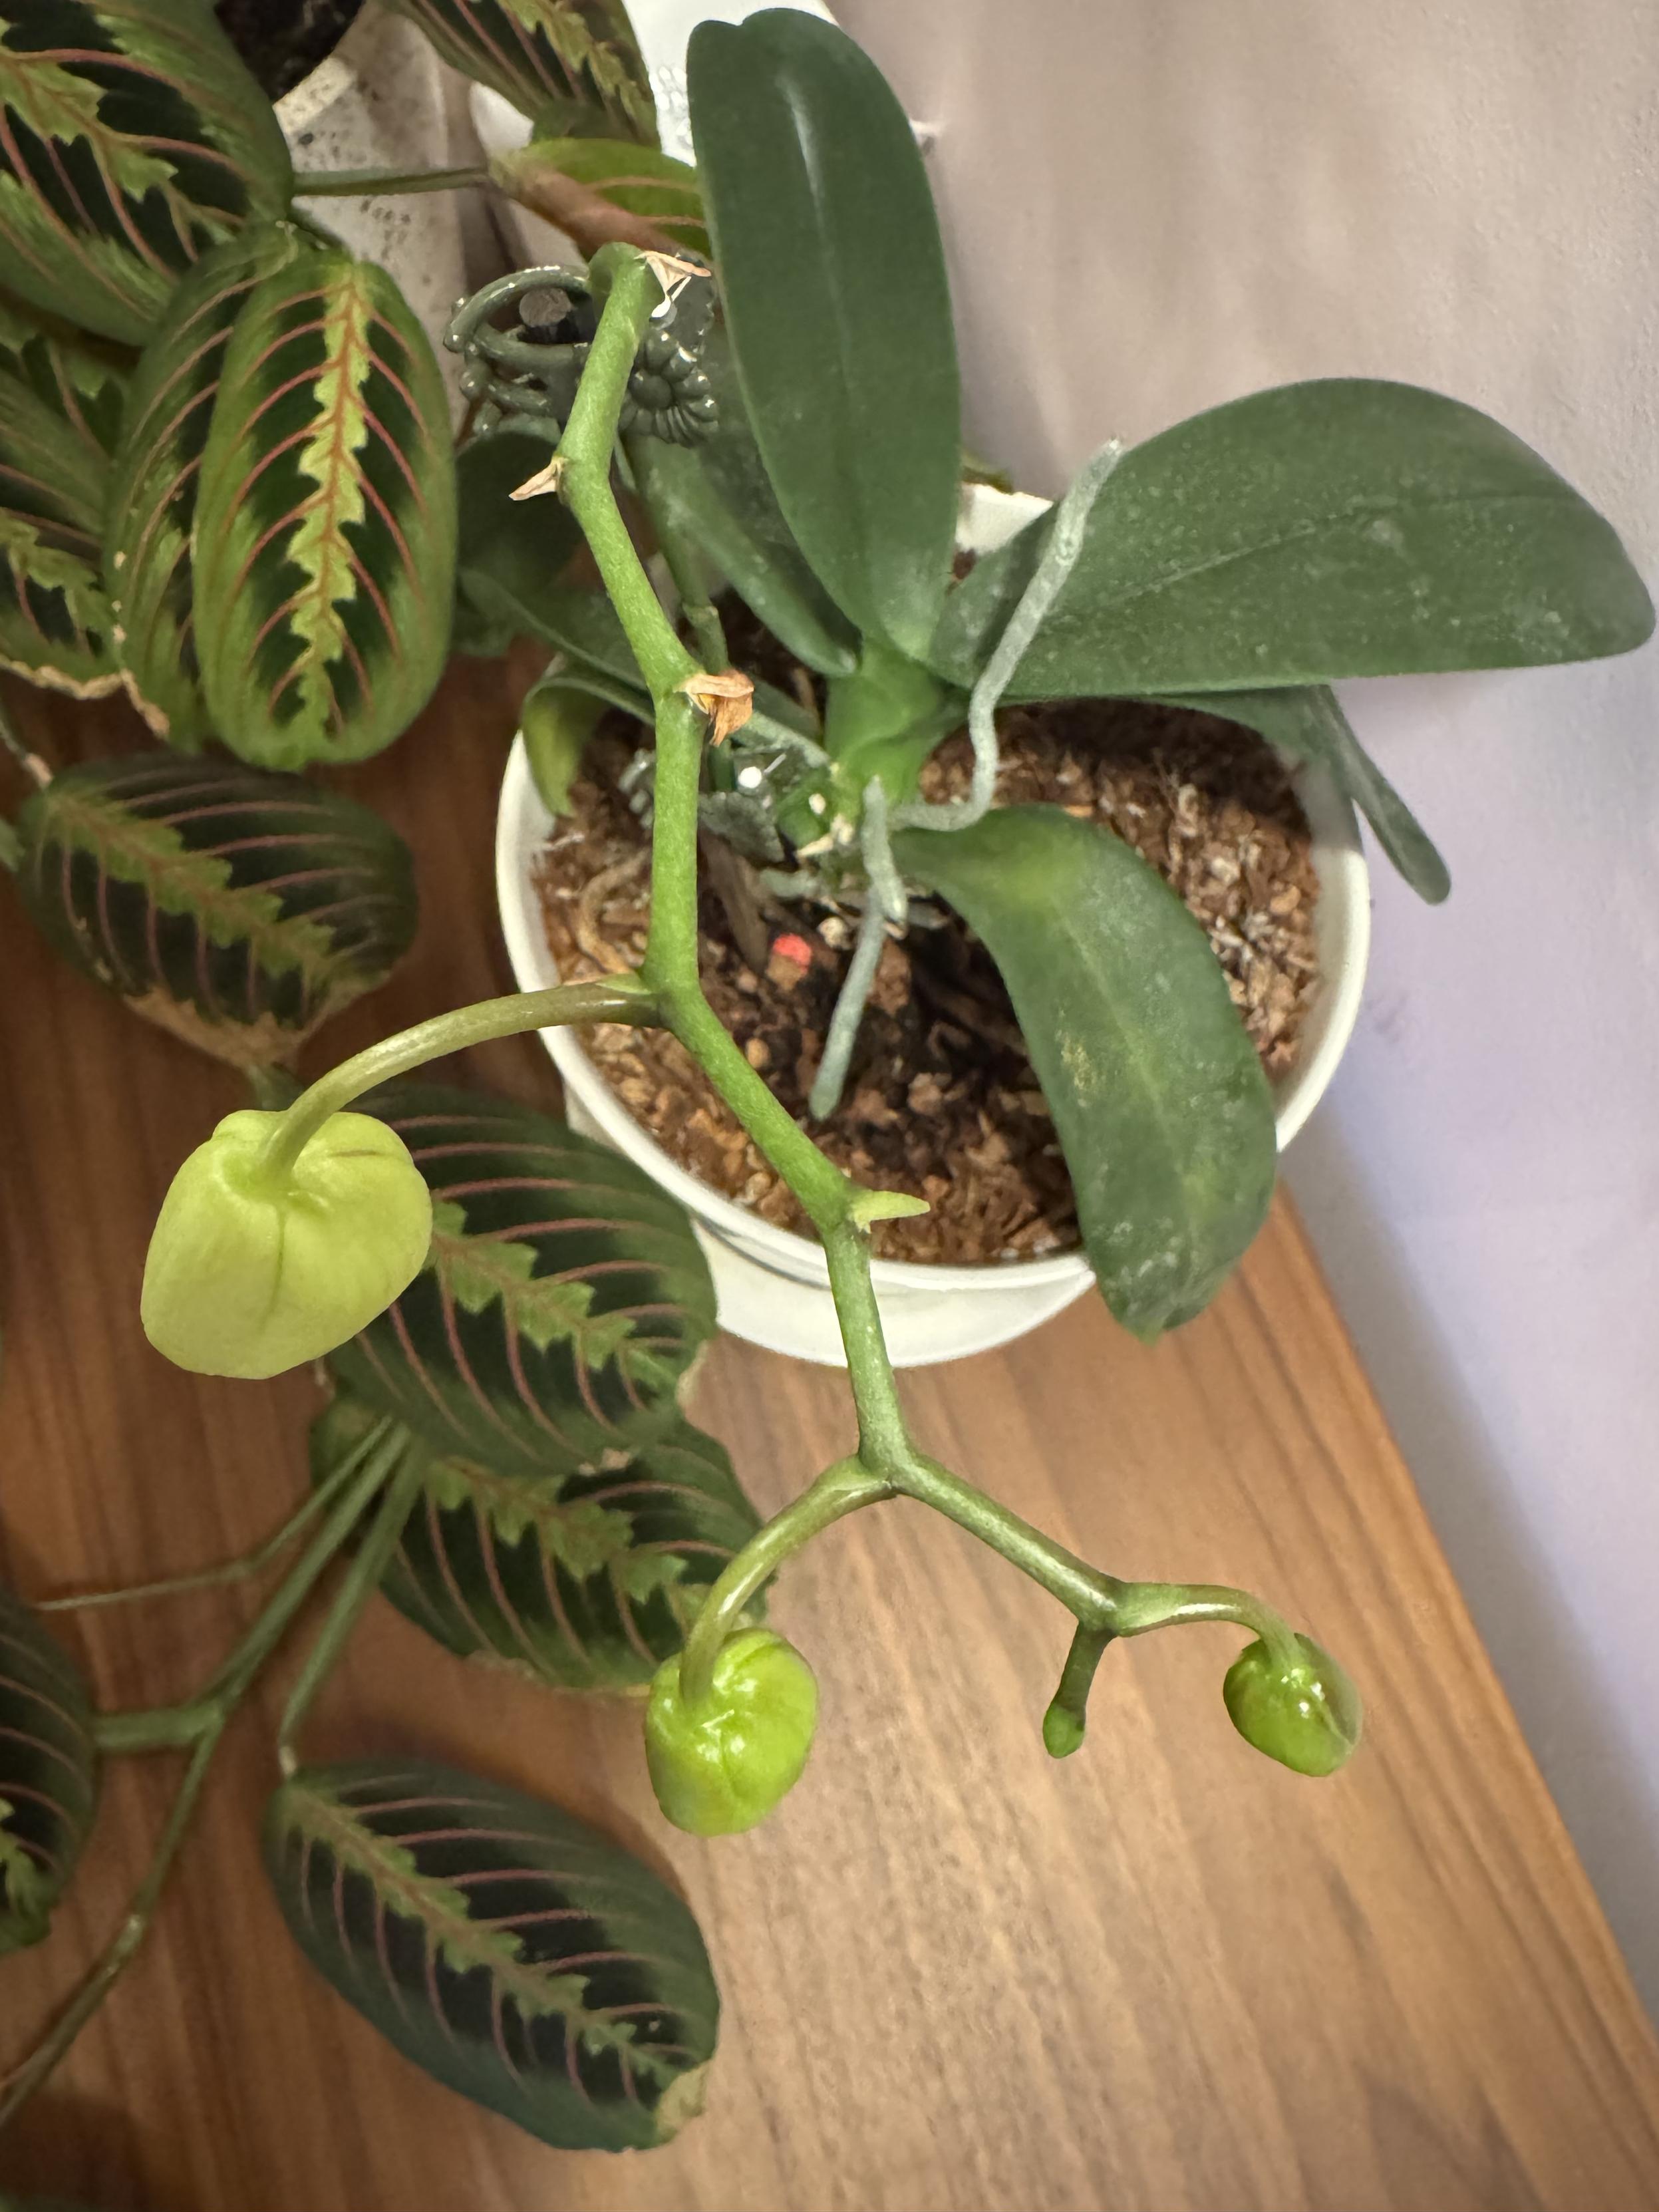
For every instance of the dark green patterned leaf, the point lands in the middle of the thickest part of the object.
(1343, 527)
(1158, 1096)
(583, 1584)
(132, 140)
(153, 492)
(571, 56)
(236, 909)
(60, 412)
(833, 277)
(1310, 724)
(564, 1297)
(512, 1951)
(48, 1774)
(325, 544)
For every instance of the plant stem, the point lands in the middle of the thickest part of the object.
(1068, 1716)
(613, 999)
(96, 1985)
(242, 1568)
(840, 1490)
(1147, 1606)
(30, 764)
(207, 1718)
(363, 1578)
(358, 183)
(167, 1727)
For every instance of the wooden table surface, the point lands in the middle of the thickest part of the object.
(1164, 1974)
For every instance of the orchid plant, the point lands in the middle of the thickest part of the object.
(231, 489)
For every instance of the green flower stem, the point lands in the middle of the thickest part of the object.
(1068, 1716)
(359, 184)
(363, 1578)
(243, 1568)
(840, 1490)
(1145, 1605)
(201, 1725)
(614, 999)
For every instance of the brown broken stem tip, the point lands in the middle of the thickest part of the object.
(546, 479)
(727, 698)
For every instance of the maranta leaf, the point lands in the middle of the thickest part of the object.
(583, 1584)
(132, 139)
(512, 1951)
(563, 1299)
(572, 56)
(60, 413)
(236, 909)
(48, 1774)
(155, 483)
(325, 543)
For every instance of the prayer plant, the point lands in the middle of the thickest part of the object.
(230, 486)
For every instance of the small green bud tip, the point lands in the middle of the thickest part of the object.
(719, 1766)
(1305, 1713)
(1062, 1732)
(248, 1275)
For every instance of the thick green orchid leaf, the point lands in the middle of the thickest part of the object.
(838, 306)
(1308, 725)
(1161, 1106)
(564, 1297)
(325, 539)
(639, 179)
(132, 140)
(572, 57)
(1346, 527)
(148, 561)
(583, 1584)
(48, 1774)
(510, 1951)
(60, 413)
(237, 909)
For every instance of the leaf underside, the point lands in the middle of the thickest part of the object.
(325, 521)
(583, 1584)
(510, 552)
(576, 57)
(510, 1951)
(563, 1299)
(235, 909)
(1340, 528)
(132, 141)
(152, 494)
(48, 1774)
(1158, 1098)
(638, 178)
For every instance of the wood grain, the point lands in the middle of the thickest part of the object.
(1166, 1974)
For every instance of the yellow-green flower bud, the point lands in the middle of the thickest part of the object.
(251, 1271)
(721, 1765)
(1304, 1712)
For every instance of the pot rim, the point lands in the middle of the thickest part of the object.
(522, 822)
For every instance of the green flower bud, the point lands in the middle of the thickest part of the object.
(719, 1766)
(1304, 1712)
(249, 1272)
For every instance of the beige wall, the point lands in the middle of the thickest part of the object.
(1155, 204)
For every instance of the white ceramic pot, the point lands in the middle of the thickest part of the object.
(383, 100)
(772, 1286)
